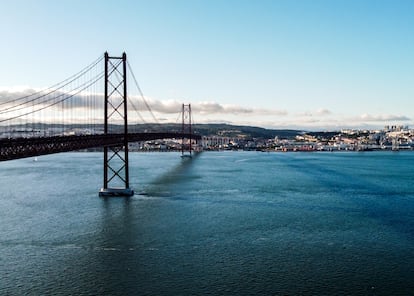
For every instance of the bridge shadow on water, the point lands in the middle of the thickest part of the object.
(164, 185)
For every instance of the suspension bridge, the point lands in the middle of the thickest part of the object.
(87, 110)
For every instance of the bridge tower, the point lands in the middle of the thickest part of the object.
(186, 142)
(116, 169)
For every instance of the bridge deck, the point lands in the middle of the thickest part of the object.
(29, 147)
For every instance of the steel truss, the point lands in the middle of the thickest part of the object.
(116, 163)
(186, 130)
(28, 147)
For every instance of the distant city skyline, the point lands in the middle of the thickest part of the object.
(315, 65)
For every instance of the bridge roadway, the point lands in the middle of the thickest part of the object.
(29, 147)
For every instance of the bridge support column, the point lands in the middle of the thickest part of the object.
(186, 128)
(116, 163)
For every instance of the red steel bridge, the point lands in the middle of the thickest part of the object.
(87, 110)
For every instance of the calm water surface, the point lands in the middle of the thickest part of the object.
(232, 223)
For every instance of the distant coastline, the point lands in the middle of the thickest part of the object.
(219, 137)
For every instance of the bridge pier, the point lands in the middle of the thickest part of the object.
(116, 162)
(186, 148)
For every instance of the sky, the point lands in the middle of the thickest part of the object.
(308, 64)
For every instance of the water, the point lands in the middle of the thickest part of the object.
(223, 223)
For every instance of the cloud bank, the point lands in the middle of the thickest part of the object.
(204, 111)
(386, 117)
(208, 108)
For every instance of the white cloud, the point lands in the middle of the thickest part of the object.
(271, 112)
(166, 107)
(323, 111)
(209, 108)
(319, 112)
(386, 117)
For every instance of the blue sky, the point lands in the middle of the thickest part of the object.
(313, 64)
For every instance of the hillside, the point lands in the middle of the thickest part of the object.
(225, 130)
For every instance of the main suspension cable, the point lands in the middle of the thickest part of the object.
(15, 108)
(54, 103)
(141, 93)
(54, 87)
